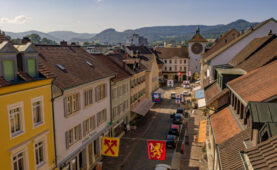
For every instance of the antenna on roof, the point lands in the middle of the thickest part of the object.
(61, 67)
(89, 63)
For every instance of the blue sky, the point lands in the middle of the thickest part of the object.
(93, 16)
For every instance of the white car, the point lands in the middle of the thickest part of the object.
(162, 167)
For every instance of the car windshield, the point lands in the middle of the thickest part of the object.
(170, 137)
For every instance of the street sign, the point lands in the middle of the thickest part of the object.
(186, 82)
(170, 83)
(178, 73)
(177, 101)
(189, 73)
(178, 96)
(156, 97)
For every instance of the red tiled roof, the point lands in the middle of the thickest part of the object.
(229, 151)
(166, 53)
(197, 38)
(264, 155)
(212, 91)
(218, 96)
(74, 59)
(242, 36)
(118, 71)
(249, 49)
(260, 58)
(224, 125)
(221, 42)
(257, 85)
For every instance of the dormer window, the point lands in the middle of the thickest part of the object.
(31, 62)
(8, 68)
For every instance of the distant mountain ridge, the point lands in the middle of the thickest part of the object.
(177, 33)
(55, 35)
(153, 34)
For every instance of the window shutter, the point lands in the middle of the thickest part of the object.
(66, 140)
(96, 94)
(78, 101)
(80, 131)
(65, 106)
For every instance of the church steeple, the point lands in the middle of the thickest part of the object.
(197, 30)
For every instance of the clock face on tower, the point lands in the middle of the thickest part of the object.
(196, 48)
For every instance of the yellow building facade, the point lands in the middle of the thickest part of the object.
(27, 140)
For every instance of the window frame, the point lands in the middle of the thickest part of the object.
(33, 100)
(9, 108)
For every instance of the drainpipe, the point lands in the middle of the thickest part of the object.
(54, 127)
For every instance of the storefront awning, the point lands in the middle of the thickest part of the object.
(143, 107)
(201, 103)
(202, 131)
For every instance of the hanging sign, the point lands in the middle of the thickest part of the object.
(110, 146)
(156, 149)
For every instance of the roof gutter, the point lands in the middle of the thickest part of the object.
(216, 146)
(242, 159)
(242, 101)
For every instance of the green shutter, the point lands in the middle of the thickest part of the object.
(8, 70)
(32, 67)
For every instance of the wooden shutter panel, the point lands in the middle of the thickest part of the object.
(66, 140)
(65, 106)
(80, 131)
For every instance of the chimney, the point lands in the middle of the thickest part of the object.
(25, 40)
(241, 32)
(255, 134)
(63, 43)
(270, 32)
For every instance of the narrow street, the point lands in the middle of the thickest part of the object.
(133, 145)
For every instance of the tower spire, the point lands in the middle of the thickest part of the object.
(198, 30)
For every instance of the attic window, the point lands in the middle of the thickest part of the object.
(89, 63)
(60, 67)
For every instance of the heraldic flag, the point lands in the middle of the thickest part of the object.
(110, 146)
(156, 149)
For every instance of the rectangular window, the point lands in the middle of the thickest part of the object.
(18, 161)
(86, 127)
(92, 124)
(180, 61)
(71, 104)
(32, 67)
(8, 68)
(100, 92)
(88, 97)
(73, 135)
(37, 112)
(101, 117)
(16, 124)
(39, 153)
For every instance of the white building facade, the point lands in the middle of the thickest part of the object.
(80, 123)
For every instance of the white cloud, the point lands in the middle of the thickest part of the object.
(99, 0)
(20, 19)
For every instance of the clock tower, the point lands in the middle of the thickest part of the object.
(196, 46)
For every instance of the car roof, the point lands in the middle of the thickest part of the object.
(170, 137)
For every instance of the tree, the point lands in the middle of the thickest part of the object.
(86, 43)
(35, 38)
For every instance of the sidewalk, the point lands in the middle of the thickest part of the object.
(192, 157)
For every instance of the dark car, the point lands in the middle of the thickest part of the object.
(178, 118)
(180, 110)
(174, 130)
(171, 141)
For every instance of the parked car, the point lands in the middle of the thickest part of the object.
(186, 86)
(174, 130)
(178, 118)
(162, 167)
(185, 93)
(171, 141)
(173, 95)
(180, 110)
